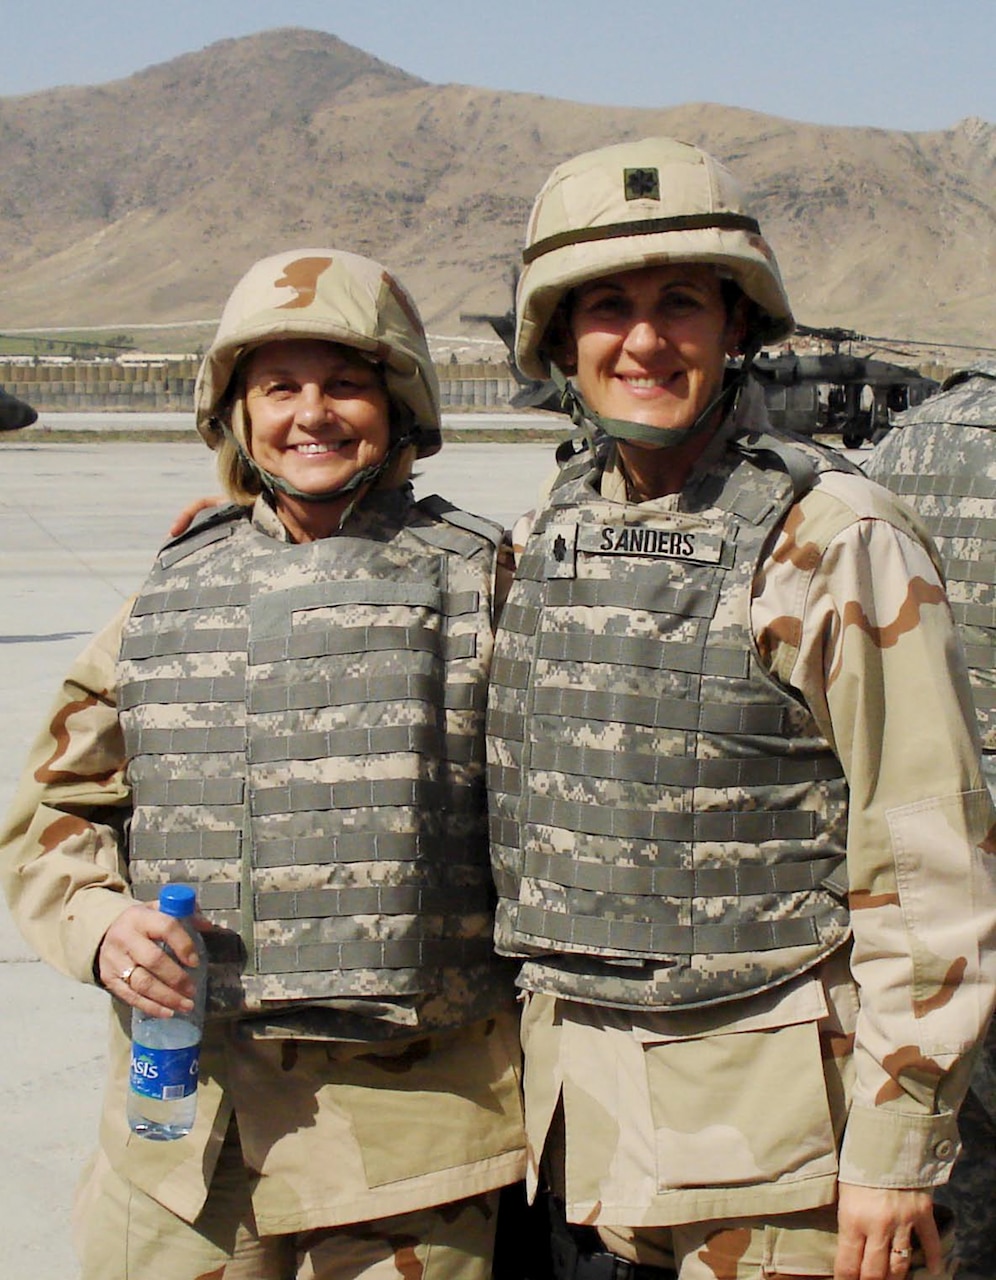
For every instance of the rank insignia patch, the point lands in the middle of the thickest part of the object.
(642, 184)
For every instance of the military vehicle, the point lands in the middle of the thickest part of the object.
(832, 394)
(837, 393)
(15, 413)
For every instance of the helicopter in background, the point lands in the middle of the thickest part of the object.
(838, 393)
(832, 394)
(15, 413)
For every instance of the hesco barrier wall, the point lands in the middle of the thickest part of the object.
(82, 386)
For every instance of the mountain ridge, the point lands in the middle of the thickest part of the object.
(147, 197)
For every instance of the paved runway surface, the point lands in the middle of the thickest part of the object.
(79, 526)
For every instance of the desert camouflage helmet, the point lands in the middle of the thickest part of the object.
(336, 297)
(640, 204)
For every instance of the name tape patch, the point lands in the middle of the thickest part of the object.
(656, 542)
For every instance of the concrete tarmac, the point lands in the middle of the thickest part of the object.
(79, 527)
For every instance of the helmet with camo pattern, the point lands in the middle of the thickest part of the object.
(333, 296)
(638, 204)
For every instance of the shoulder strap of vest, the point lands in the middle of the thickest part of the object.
(578, 456)
(438, 507)
(205, 528)
(765, 450)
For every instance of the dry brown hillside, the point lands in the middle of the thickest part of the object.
(144, 199)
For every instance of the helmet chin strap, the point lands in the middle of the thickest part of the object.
(583, 416)
(408, 434)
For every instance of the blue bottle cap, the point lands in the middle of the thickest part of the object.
(177, 900)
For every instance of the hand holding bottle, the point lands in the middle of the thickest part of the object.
(143, 961)
(165, 1049)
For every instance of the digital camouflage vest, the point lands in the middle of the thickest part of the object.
(942, 461)
(664, 815)
(305, 730)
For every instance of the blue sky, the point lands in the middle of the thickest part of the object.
(895, 64)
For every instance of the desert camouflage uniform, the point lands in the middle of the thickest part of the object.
(942, 459)
(309, 1117)
(743, 1113)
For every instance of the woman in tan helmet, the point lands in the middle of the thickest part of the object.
(290, 717)
(743, 849)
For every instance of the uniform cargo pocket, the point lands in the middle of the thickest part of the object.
(424, 1112)
(740, 1108)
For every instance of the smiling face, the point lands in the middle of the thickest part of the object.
(650, 345)
(318, 414)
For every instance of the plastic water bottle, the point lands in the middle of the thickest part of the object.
(165, 1052)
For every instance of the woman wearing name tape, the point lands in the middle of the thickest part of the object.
(742, 846)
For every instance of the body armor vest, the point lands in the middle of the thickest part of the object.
(946, 471)
(304, 726)
(663, 814)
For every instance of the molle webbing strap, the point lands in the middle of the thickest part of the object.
(660, 712)
(645, 227)
(980, 571)
(374, 954)
(654, 654)
(355, 846)
(215, 793)
(271, 614)
(381, 740)
(442, 537)
(949, 485)
(329, 642)
(363, 793)
(507, 724)
(571, 872)
(196, 741)
(667, 826)
(213, 896)
(654, 768)
(304, 695)
(170, 690)
(984, 697)
(651, 939)
(967, 614)
(159, 644)
(653, 596)
(511, 673)
(979, 657)
(360, 900)
(962, 527)
(520, 618)
(189, 845)
(505, 778)
(180, 599)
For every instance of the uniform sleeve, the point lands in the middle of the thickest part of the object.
(62, 857)
(850, 611)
